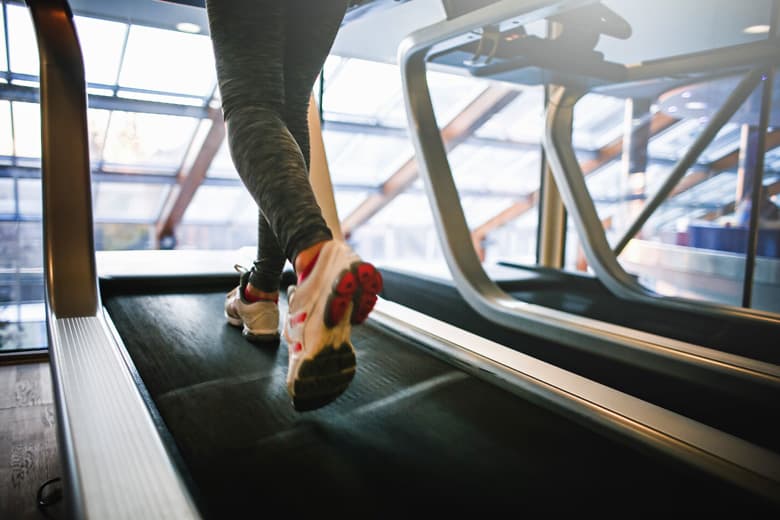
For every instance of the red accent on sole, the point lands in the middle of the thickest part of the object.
(346, 285)
(370, 285)
(358, 286)
(337, 307)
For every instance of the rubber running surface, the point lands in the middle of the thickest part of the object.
(412, 433)
(747, 418)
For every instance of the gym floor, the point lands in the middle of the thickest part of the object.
(28, 441)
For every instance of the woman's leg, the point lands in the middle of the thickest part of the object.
(249, 46)
(310, 29)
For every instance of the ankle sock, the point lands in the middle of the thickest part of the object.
(307, 270)
(252, 299)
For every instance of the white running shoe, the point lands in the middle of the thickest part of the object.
(260, 320)
(340, 291)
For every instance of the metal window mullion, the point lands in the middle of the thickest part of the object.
(755, 207)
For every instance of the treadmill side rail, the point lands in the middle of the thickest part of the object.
(118, 467)
(731, 458)
(114, 460)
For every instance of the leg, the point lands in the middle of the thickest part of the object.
(310, 29)
(248, 39)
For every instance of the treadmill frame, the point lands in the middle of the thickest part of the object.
(115, 462)
(708, 366)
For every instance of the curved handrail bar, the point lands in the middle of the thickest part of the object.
(114, 462)
(484, 295)
(67, 221)
(571, 183)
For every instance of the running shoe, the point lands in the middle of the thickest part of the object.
(339, 291)
(259, 320)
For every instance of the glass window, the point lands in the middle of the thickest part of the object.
(101, 44)
(363, 90)
(22, 44)
(521, 121)
(495, 169)
(128, 201)
(3, 60)
(148, 141)
(7, 197)
(30, 197)
(479, 209)
(367, 159)
(220, 204)
(6, 141)
(451, 94)
(222, 165)
(598, 120)
(97, 123)
(27, 129)
(168, 61)
(348, 200)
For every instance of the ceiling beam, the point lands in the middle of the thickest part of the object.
(189, 180)
(457, 131)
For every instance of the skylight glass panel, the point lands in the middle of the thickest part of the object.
(3, 61)
(405, 210)
(598, 120)
(27, 129)
(7, 196)
(30, 197)
(363, 90)
(522, 120)
(246, 212)
(348, 201)
(219, 204)
(451, 94)
(368, 159)
(222, 164)
(495, 169)
(168, 61)
(604, 182)
(128, 201)
(479, 210)
(151, 141)
(674, 142)
(22, 44)
(101, 44)
(97, 124)
(336, 142)
(6, 141)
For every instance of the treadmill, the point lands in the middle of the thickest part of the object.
(714, 362)
(164, 411)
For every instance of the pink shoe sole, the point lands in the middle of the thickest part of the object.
(358, 285)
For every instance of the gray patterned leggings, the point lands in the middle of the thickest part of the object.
(268, 55)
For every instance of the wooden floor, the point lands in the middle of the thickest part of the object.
(28, 440)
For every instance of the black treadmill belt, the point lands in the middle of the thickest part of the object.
(586, 296)
(411, 431)
(750, 419)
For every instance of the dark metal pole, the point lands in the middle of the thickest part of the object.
(755, 204)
